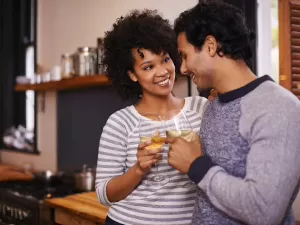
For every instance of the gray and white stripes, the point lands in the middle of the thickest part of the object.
(168, 204)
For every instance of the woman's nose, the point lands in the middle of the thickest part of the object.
(162, 72)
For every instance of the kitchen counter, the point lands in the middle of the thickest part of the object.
(83, 209)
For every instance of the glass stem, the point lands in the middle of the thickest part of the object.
(157, 172)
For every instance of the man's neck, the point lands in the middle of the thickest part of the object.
(233, 76)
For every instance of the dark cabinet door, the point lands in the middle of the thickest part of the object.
(10, 65)
(17, 31)
(249, 7)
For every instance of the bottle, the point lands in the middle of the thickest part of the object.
(100, 56)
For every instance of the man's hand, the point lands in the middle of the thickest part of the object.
(182, 153)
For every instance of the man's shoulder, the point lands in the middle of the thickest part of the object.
(270, 109)
(270, 97)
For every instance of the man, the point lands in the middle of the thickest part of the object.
(247, 166)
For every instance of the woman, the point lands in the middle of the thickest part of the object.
(141, 57)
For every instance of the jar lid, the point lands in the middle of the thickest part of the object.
(65, 55)
(86, 49)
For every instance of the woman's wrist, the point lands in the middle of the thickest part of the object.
(138, 171)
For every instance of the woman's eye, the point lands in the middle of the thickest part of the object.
(167, 59)
(148, 68)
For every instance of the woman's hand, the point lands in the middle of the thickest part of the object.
(146, 158)
(213, 94)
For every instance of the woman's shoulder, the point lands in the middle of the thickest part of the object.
(195, 103)
(125, 117)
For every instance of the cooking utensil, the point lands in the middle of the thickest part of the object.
(47, 177)
(51, 178)
(85, 61)
(85, 180)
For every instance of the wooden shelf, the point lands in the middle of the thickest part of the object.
(66, 84)
(36, 152)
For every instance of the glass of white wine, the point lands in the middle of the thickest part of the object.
(178, 125)
(152, 128)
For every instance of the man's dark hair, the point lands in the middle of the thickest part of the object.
(222, 21)
(139, 29)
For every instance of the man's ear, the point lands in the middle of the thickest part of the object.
(211, 45)
(132, 76)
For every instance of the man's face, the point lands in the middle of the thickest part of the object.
(196, 63)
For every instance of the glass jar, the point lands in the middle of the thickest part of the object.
(85, 61)
(66, 66)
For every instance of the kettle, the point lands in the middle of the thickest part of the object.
(85, 180)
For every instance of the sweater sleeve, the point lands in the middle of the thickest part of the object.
(272, 172)
(111, 155)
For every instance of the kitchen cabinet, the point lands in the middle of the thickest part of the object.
(64, 217)
(78, 209)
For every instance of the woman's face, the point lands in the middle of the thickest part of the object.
(155, 73)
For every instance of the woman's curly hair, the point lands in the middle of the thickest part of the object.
(139, 29)
(221, 20)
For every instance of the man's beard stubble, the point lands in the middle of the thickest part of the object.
(200, 89)
(205, 91)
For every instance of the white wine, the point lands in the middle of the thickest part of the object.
(188, 135)
(156, 142)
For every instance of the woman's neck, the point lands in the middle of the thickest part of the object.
(159, 104)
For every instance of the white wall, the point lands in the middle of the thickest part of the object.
(64, 25)
(264, 41)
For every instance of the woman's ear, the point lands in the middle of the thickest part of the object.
(132, 76)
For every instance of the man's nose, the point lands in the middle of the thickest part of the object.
(183, 69)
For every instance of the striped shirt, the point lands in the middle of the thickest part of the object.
(172, 203)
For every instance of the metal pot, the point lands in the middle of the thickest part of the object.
(85, 61)
(85, 180)
(47, 177)
(50, 178)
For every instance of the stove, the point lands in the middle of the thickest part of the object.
(21, 202)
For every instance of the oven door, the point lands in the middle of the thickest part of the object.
(15, 210)
(3, 223)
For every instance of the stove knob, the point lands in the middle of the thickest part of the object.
(12, 212)
(20, 214)
(16, 215)
(25, 214)
(8, 210)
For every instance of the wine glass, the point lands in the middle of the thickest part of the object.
(178, 125)
(152, 128)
